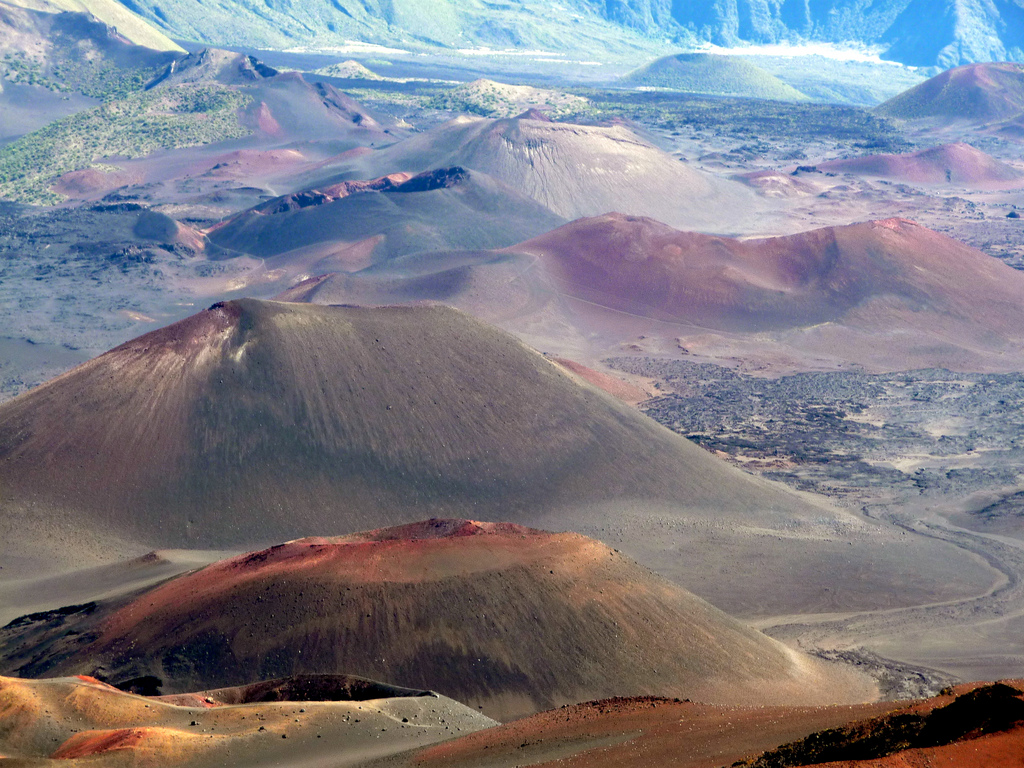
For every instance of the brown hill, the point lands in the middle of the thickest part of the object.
(832, 291)
(978, 93)
(959, 164)
(279, 723)
(505, 618)
(638, 732)
(574, 170)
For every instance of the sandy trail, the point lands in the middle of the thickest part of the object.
(968, 638)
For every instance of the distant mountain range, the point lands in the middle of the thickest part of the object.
(917, 32)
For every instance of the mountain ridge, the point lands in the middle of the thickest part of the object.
(913, 32)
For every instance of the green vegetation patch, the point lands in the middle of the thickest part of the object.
(134, 126)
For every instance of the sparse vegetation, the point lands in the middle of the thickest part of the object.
(95, 77)
(491, 99)
(133, 126)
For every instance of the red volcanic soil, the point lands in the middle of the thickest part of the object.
(645, 268)
(947, 164)
(266, 122)
(505, 618)
(976, 92)
(99, 742)
(252, 162)
(613, 385)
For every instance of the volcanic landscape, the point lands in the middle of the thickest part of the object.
(463, 385)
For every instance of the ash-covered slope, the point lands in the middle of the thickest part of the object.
(573, 170)
(958, 164)
(505, 618)
(255, 421)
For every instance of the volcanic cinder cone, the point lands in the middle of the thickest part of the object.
(503, 617)
(574, 170)
(959, 164)
(260, 421)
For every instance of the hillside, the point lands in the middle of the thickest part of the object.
(129, 25)
(951, 33)
(711, 74)
(978, 93)
(573, 170)
(134, 126)
(73, 52)
(348, 70)
(507, 619)
(956, 164)
(968, 725)
(835, 275)
(206, 98)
